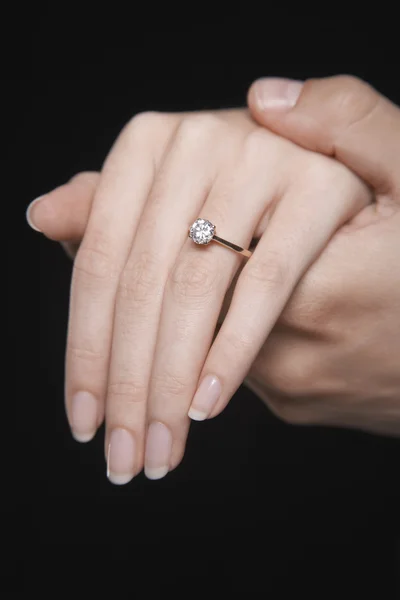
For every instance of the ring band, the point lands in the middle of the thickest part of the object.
(203, 232)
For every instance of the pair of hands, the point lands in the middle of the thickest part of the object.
(311, 320)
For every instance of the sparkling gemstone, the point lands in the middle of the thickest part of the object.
(202, 231)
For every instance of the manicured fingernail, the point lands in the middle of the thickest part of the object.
(158, 450)
(205, 398)
(30, 217)
(281, 94)
(83, 416)
(121, 456)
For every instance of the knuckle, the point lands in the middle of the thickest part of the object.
(237, 342)
(357, 104)
(141, 129)
(146, 118)
(270, 271)
(86, 353)
(288, 368)
(141, 278)
(198, 128)
(194, 278)
(142, 123)
(352, 87)
(352, 98)
(288, 393)
(127, 391)
(288, 412)
(257, 144)
(171, 385)
(290, 380)
(319, 172)
(94, 260)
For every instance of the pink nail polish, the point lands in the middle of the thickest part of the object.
(158, 450)
(205, 398)
(121, 456)
(83, 416)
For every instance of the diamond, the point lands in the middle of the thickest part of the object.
(202, 231)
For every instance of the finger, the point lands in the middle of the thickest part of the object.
(339, 116)
(299, 229)
(355, 266)
(177, 194)
(192, 301)
(63, 213)
(119, 199)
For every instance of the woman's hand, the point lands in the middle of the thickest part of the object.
(337, 341)
(145, 300)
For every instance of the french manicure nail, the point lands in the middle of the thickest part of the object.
(205, 398)
(121, 456)
(83, 416)
(28, 214)
(281, 94)
(158, 450)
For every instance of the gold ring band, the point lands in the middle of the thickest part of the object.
(202, 232)
(234, 247)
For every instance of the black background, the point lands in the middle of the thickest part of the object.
(257, 507)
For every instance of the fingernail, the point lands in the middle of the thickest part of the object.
(121, 456)
(158, 450)
(30, 216)
(83, 416)
(205, 398)
(277, 94)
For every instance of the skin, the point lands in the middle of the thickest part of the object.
(341, 328)
(145, 300)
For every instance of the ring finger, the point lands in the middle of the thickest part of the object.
(192, 301)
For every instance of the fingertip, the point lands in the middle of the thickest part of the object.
(154, 473)
(62, 214)
(40, 214)
(197, 415)
(31, 216)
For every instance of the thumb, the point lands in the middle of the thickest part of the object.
(340, 116)
(62, 214)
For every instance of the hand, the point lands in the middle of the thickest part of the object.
(335, 356)
(145, 300)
